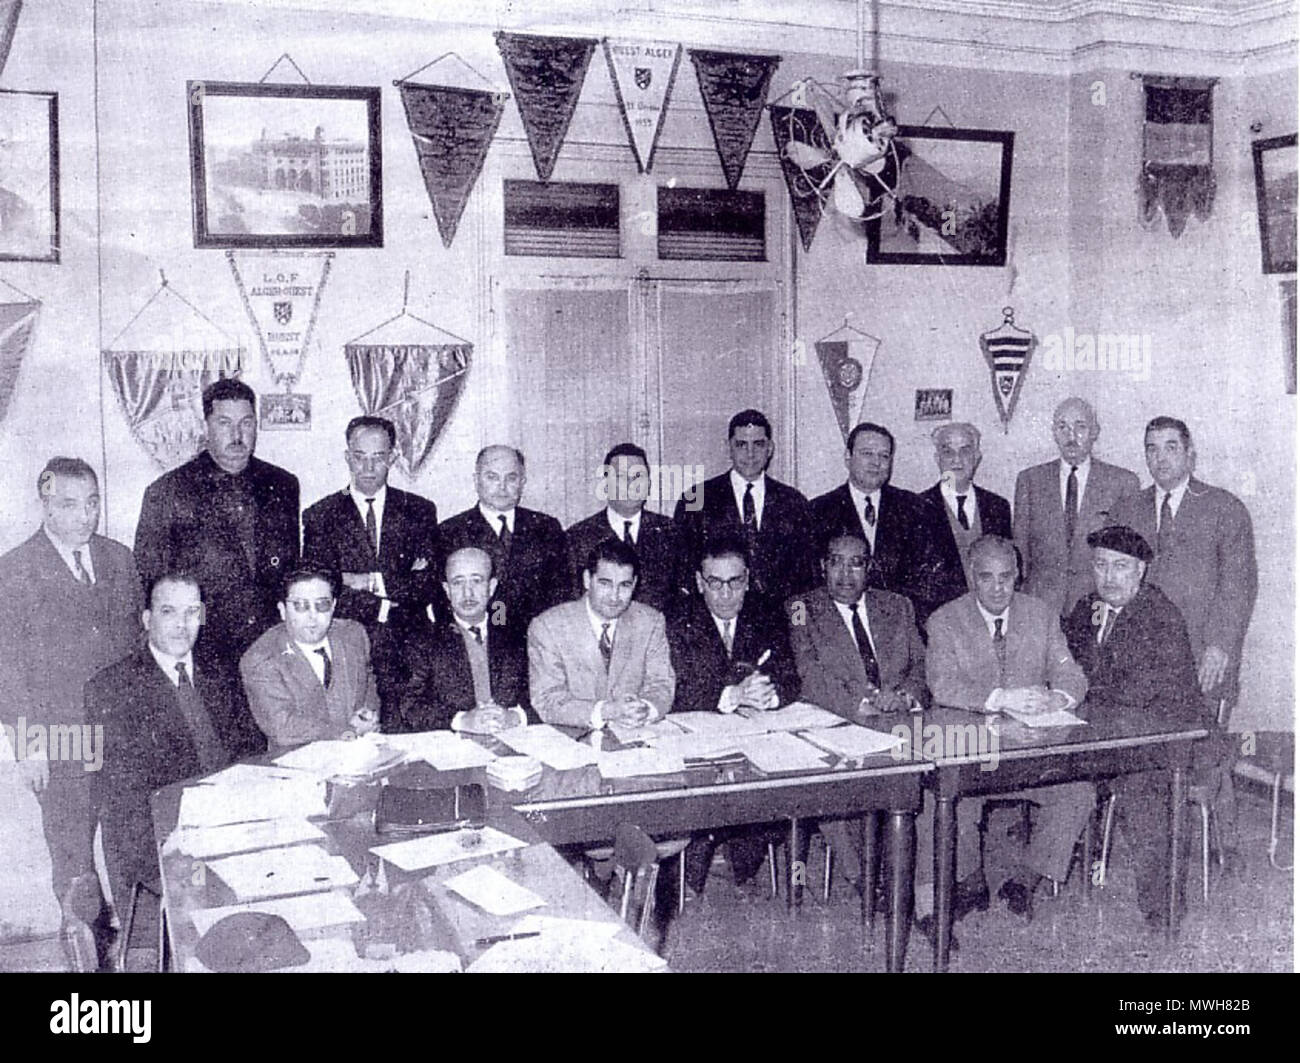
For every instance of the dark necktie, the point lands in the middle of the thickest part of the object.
(962, 519)
(506, 537)
(329, 668)
(606, 644)
(728, 635)
(1071, 502)
(82, 575)
(627, 533)
(868, 655)
(372, 526)
(1106, 626)
(1165, 533)
(748, 512)
(206, 744)
(869, 513)
(478, 634)
(1000, 647)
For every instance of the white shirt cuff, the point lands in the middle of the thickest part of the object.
(597, 717)
(728, 700)
(994, 700)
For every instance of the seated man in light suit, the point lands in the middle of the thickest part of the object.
(859, 654)
(309, 677)
(994, 649)
(602, 658)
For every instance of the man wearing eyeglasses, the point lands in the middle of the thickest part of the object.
(309, 677)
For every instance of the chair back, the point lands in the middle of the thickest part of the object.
(636, 865)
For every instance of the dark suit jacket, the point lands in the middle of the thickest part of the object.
(781, 554)
(180, 528)
(1146, 667)
(147, 745)
(334, 535)
(700, 658)
(906, 557)
(1210, 571)
(664, 575)
(59, 632)
(440, 684)
(830, 665)
(534, 575)
(995, 519)
(1058, 572)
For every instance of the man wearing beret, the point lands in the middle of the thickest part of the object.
(1132, 644)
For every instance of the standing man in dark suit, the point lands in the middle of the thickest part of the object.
(465, 673)
(968, 510)
(773, 517)
(1205, 564)
(1132, 644)
(229, 519)
(900, 530)
(656, 538)
(1060, 503)
(384, 544)
(166, 718)
(527, 547)
(69, 606)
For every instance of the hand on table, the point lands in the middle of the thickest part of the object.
(488, 719)
(627, 711)
(362, 722)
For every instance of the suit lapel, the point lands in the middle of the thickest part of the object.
(355, 525)
(836, 635)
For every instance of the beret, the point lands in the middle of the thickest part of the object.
(1123, 540)
(250, 941)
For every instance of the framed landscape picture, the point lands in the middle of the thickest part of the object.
(953, 203)
(29, 176)
(1275, 194)
(285, 165)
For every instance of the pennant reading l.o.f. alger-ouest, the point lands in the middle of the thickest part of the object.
(281, 293)
(734, 88)
(546, 74)
(643, 73)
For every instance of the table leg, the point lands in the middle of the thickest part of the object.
(867, 872)
(902, 857)
(1176, 799)
(794, 883)
(945, 869)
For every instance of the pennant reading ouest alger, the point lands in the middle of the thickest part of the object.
(643, 73)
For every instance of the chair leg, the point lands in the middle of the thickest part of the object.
(826, 876)
(1273, 834)
(1107, 824)
(120, 963)
(681, 882)
(1205, 853)
(771, 866)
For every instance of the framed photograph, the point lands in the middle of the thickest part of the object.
(29, 176)
(934, 404)
(954, 200)
(285, 412)
(1275, 194)
(285, 165)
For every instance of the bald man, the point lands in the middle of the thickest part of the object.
(1063, 501)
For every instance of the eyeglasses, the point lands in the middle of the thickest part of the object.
(736, 583)
(302, 605)
(371, 461)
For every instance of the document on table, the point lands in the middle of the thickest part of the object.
(432, 850)
(282, 872)
(444, 750)
(298, 797)
(203, 842)
(548, 745)
(698, 746)
(251, 775)
(1055, 718)
(851, 741)
(782, 752)
(492, 891)
(535, 923)
(646, 732)
(342, 758)
(797, 716)
(626, 763)
(567, 953)
(315, 911)
(718, 724)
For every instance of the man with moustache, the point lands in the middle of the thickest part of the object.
(1063, 501)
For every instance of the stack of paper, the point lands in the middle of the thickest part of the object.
(852, 742)
(204, 842)
(698, 746)
(646, 732)
(782, 751)
(492, 891)
(719, 724)
(1054, 718)
(626, 763)
(283, 872)
(445, 750)
(343, 759)
(797, 716)
(306, 914)
(514, 773)
(548, 745)
(415, 854)
(295, 797)
(569, 953)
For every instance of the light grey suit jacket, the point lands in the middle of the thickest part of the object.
(1053, 570)
(962, 665)
(566, 672)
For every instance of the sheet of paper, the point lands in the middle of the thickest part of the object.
(535, 923)
(340, 758)
(314, 911)
(797, 716)
(851, 741)
(299, 797)
(203, 842)
(567, 953)
(444, 750)
(718, 724)
(432, 850)
(548, 745)
(698, 746)
(492, 891)
(782, 752)
(251, 775)
(1055, 718)
(626, 763)
(282, 872)
(646, 732)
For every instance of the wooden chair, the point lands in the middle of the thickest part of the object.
(636, 867)
(128, 929)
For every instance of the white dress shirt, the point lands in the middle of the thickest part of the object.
(493, 517)
(738, 485)
(1080, 476)
(1175, 499)
(950, 493)
(65, 552)
(860, 505)
(168, 664)
(314, 659)
(377, 587)
(846, 614)
(617, 520)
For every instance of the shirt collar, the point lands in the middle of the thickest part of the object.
(1004, 616)
(1175, 494)
(493, 517)
(379, 496)
(469, 628)
(598, 622)
(312, 647)
(860, 497)
(739, 483)
(1082, 468)
(65, 552)
(949, 492)
(168, 663)
(617, 520)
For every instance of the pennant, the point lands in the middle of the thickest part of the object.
(643, 73)
(846, 365)
(734, 88)
(546, 74)
(800, 125)
(17, 321)
(1177, 173)
(452, 129)
(282, 298)
(1008, 357)
(9, 10)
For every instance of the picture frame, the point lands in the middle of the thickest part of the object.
(285, 166)
(29, 176)
(285, 412)
(933, 404)
(1275, 197)
(954, 200)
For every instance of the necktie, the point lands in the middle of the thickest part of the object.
(748, 512)
(868, 655)
(329, 668)
(478, 634)
(1165, 533)
(206, 744)
(869, 514)
(82, 575)
(1071, 502)
(1106, 626)
(728, 635)
(606, 644)
(627, 533)
(506, 537)
(372, 526)
(1000, 646)
(962, 519)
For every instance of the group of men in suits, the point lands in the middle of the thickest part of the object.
(389, 618)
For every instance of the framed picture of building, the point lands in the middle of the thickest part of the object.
(29, 176)
(1275, 195)
(285, 165)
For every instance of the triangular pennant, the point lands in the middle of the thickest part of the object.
(282, 298)
(800, 126)
(9, 10)
(546, 74)
(17, 320)
(643, 73)
(846, 365)
(734, 88)
(1008, 357)
(452, 129)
